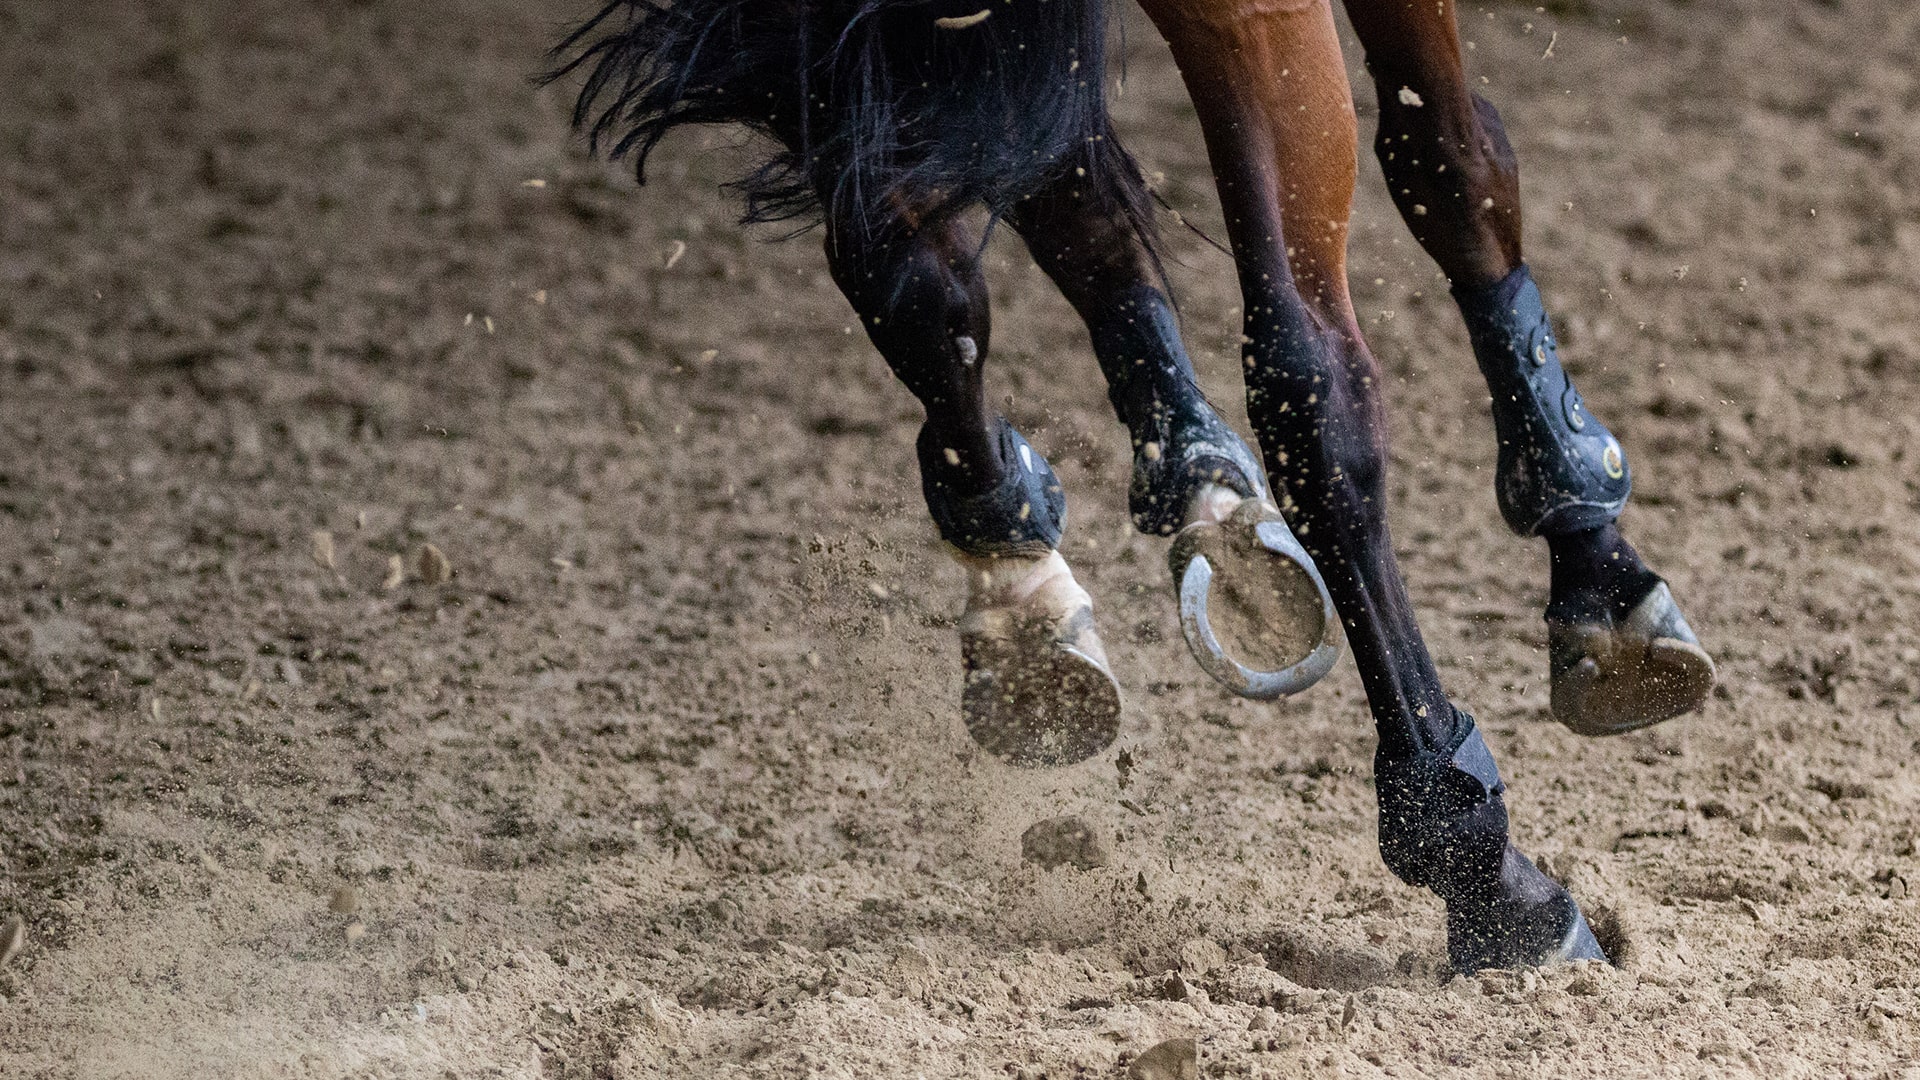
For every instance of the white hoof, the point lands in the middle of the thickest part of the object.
(1038, 690)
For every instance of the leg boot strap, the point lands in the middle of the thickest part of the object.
(1443, 823)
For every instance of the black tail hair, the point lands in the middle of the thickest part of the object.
(882, 116)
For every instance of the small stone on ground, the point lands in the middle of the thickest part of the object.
(1200, 956)
(1175, 1059)
(1064, 841)
(435, 569)
(13, 937)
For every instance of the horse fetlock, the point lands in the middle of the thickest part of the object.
(1038, 690)
(1443, 826)
(1004, 593)
(1559, 468)
(1178, 453)
(1212, 504)
(1023, 513)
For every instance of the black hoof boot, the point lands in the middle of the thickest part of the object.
(1023, 515)
(1443, 826)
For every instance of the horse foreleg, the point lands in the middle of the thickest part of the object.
(1271, 91)
(1038, 689)
(1252, 606)
(1621, 655)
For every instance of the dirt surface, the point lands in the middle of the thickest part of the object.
(669, 778)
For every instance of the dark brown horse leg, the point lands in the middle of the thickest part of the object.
(1621, 654)
(1253, 608)
(1037, 690)
(1104, 271)
(1272, 95)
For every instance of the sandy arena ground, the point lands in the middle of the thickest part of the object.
(668, 780)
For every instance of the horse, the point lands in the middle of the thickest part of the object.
(893, 124)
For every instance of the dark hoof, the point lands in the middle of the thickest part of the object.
(1253, 608)
(1038, 691)
(1533, 922)
(1614, 676)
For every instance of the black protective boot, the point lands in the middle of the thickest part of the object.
(1443, 826)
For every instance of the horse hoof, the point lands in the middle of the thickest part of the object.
(1555, 934)
(1533, 923)
(1610, 678)
(1052, 706)
(1038, 690)
(1253, 607)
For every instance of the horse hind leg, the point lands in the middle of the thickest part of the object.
(1620, 654)
(1038, 690)
(1253, 608)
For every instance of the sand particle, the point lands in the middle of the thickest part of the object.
(433, 565)
(961, 22)
(323, 549)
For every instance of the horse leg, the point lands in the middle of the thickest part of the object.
(1271, 92)
(1038, 690)
(1254, 610)
(1621, 655)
